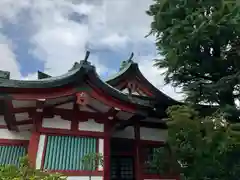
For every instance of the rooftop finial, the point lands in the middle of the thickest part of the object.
(86, 56)
(131, 56)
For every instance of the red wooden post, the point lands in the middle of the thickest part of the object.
(137, 161)
(33, 148)
(106, 149)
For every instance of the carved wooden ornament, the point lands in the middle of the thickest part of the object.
(82, 98)
(132, 86)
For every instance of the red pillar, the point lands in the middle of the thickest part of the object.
(106, 149)
(35, 136)
(137, 161)
(33, 147)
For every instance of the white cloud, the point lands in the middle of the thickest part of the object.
(59, 41)
(153, 74)
(8, 59)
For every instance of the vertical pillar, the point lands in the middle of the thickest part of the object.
(35, 136)
(106, 149)
(33, 147)
(137, 161)
(34, 140)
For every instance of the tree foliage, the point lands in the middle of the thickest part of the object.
(26, 172)
(91, 162)
(200, 45)
(205, 148)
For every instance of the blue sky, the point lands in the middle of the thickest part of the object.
(50, 36)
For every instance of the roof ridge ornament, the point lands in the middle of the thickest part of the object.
(131, 57)
(124, 63)
(4, 74)
(86, 56)
(85, 63)
(85, 60)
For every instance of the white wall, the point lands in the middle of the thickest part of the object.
(153, 134)
(41, 143)
(91, 125)
(2, 121)
(56, 122)
(101, 151)
(128, 133)
(6, 134)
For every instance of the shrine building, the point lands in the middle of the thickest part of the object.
(58, 120)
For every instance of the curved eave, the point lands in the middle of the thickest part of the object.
(51, 82)
(116, 94)
(121, 75)
(77, 77)
(132, 69)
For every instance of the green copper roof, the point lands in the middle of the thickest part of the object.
(123, 69)
(42, 75)
(50, 82)
(4, 75)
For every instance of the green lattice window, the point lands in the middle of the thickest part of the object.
(66, 152)
(10, 154)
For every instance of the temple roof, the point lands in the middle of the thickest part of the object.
(79, 71)
(106, 99)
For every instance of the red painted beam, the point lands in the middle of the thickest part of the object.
(23, 122)
(34, 94)
(82, 115)
(9, 142)
(24, 109)
(65, 132)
